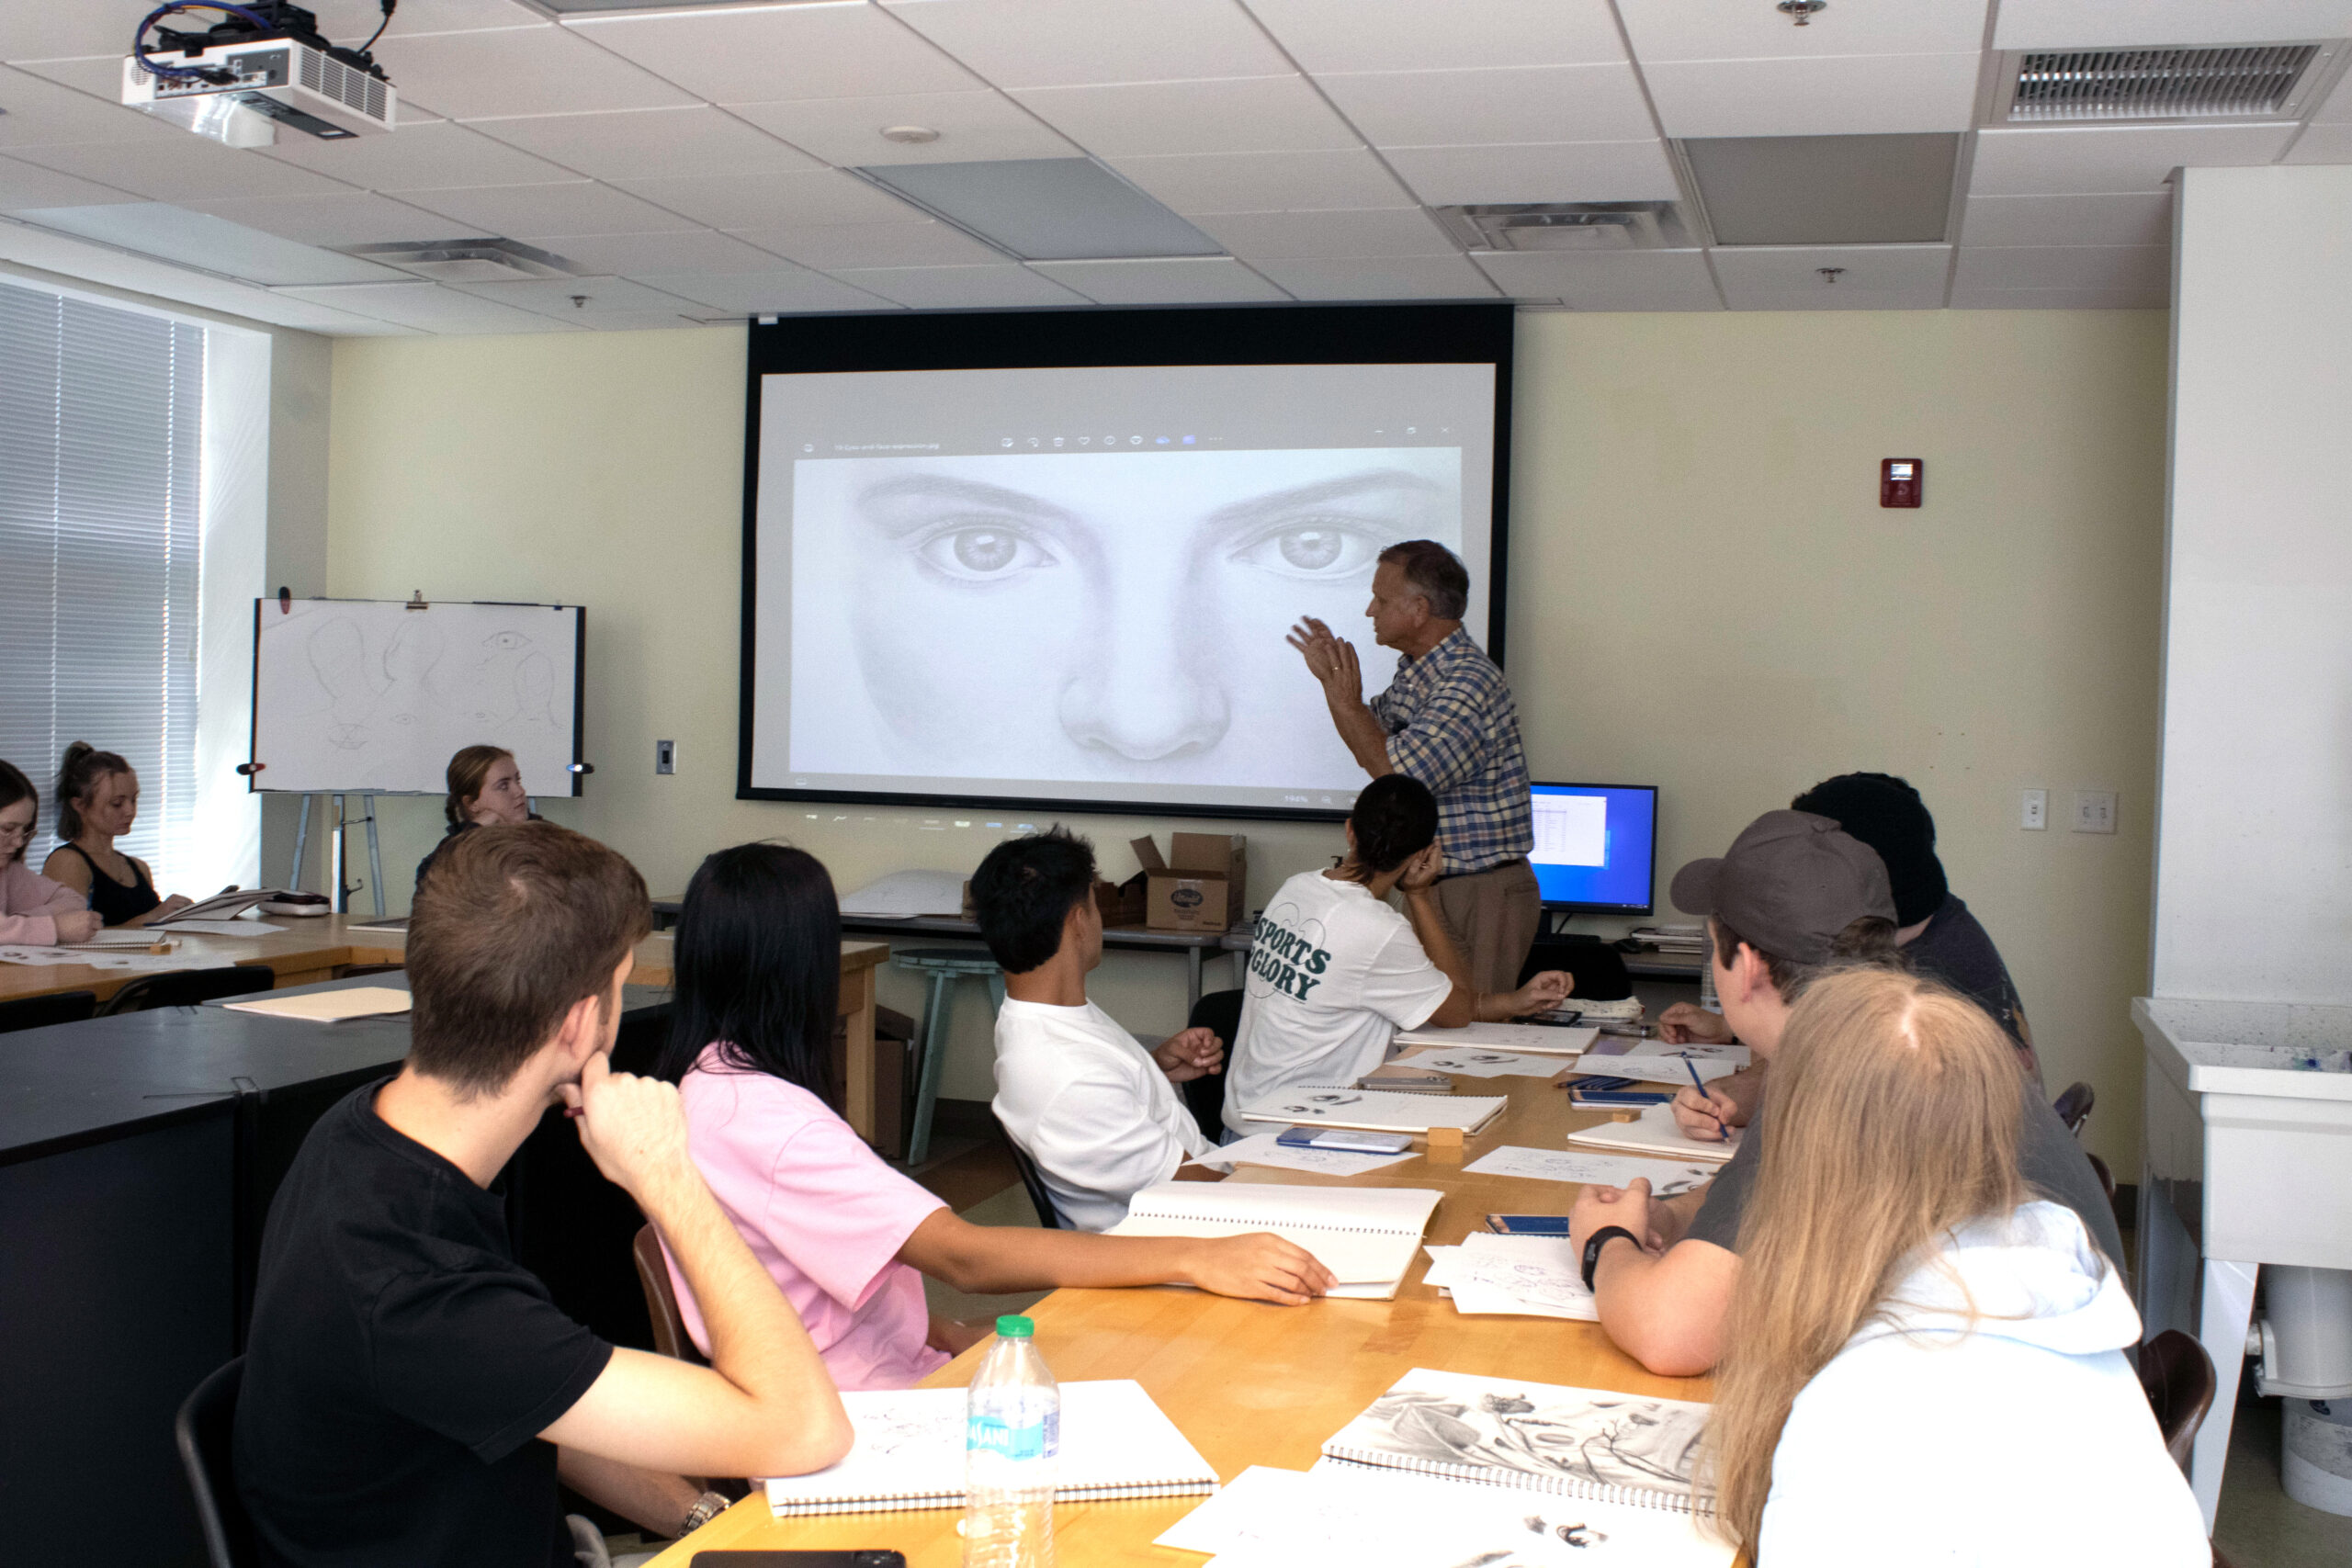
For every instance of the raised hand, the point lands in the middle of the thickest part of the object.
(1317, 646)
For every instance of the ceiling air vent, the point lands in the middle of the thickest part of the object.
(1567, 226)
(466, 261)
(2240, 82)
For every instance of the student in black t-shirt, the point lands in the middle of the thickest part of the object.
(411, 1393)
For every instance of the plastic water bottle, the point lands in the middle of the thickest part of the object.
(1012, 1439)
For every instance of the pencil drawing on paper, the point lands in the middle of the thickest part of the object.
(1602, 1439)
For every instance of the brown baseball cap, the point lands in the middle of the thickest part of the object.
(1790, 882)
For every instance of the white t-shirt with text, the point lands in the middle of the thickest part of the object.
(1334, 973)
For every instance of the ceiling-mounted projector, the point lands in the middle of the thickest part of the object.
(264, 66)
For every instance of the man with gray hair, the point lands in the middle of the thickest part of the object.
(1447, 720)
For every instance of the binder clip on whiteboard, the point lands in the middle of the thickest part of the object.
(416, 599)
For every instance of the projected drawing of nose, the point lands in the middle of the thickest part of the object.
(1145, 698)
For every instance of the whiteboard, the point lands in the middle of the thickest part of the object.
(361, 695)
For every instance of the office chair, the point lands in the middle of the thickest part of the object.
(39, 1012)
(2179, 1380)
(203, 1429)
(1035, 1184)
(670, 1336)
(1204, 1096)
(186, 987)
(2073, 1107)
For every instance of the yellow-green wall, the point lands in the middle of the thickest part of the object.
(1704, 595)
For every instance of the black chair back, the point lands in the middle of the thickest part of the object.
(2178, 1377)
(1599, 968)
(2073, 1107)
(186, 987)
(1204, 1096)
(39, 1012)
(1034, 1185)
(203, 1429)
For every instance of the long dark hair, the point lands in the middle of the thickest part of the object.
(84, 767)
(14, 787)
(757, 969)
(468, 770)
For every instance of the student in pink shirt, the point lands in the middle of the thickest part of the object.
(33, 909)
(846, 1237)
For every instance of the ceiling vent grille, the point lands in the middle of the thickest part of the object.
(1567, 226)
(2269, 81)
(466, 261)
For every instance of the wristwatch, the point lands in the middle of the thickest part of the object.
(707, 1506)
(1596, 1241)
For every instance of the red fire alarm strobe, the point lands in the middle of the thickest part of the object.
(1901, 481)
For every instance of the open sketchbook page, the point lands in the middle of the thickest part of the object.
(1666, 1177)
(1537, 1037)
(1281, 1518)
(1266, 1148)
(1471, 1062)
(1654, 1132)
(1620, 1046)
(1671, 1072)
(1375, 1111)
(1365, 1235)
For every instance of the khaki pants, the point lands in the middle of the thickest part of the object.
(1493, 915)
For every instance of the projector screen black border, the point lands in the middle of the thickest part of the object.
(1470, 333)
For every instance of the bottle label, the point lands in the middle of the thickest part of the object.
(1037, 1439)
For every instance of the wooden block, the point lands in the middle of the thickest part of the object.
(1445, 1146)
(1624, 1116)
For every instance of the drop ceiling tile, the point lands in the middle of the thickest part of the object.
(577, 300)
(430, 307)
(2322, 144)
(972, 127)
(1255, 113)
(832, 246)
(350, 21)
(203, 241)
(776, 201)
(1067, 43)
(1582, 278)
(688, 250)
(688, 318)
(2136, 268)
(44, 30)
(1569, 171)
(1637, 301)
(1379, 277)
(439, 156)
(1752, 30)
(352, 218)
(29, 185)
(1388, 231)
(185, 168)
(1266, 182)
(2095, 159)
(1442, 35)
(41, 112)
(540, 69)
(98, 77)
(769, 53)
(2068, 221)
(582, 207)
(780, 289)
(2058, 299)
(1190, 280)
(1457, 108)
(645, 144)
(2336, 108)
(2099, 24)
(1790, 278)
(961, 287)
(1838, 95)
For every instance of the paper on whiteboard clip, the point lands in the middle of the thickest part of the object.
(250, 769)
(285, 600)
(580, 768)
(416, 599)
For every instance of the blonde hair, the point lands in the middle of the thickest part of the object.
(468, 770)
(1895, 1117)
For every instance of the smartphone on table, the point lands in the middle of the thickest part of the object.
(1348, 1140)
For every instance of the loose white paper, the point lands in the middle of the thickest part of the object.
(905, 895)
(1656, 1069)
(1525, 1276)
(222, 928)
(121, 963)
(1261, 1148)
(1473, 1063)
(1666, 1177)
(1618, 1046)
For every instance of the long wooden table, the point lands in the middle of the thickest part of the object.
(1252, 1383)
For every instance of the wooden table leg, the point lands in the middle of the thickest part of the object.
(857, 1012)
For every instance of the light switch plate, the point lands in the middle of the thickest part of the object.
(2034, 814)
(2094, 811)
(665, 756)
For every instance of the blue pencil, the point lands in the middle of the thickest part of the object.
(1722, 1134)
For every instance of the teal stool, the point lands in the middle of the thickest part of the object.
(946, 965)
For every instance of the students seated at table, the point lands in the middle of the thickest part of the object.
(1793, 896)
(757, 983)
(485, 791)
(33, 909)
(97, 800)
(1924, 1358)
(411, 1393)
(1335, 972)
(1099, 1115)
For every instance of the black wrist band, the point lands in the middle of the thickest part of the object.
(1596, 1241)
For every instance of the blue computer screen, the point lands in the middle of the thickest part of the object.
(1596, 845)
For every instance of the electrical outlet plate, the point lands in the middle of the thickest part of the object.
(2034, 814)
(665, 756)
(2094, 811)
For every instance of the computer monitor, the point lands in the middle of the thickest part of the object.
(1596, 846)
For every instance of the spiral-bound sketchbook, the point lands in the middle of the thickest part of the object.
(1116, 1442)
(1365, 1235)
(1654, 1132)
(1578, 1442)
(1374, 1110)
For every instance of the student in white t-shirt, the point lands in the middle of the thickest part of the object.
(1335, 972)
(1099, 1115)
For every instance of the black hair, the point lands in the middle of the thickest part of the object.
(1395, 818)
(757, 967)
(1024, 891)
(14, 787)
(1886, 813)
(84, 769)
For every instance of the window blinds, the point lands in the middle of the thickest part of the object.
(101, 457)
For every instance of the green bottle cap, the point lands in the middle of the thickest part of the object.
(1014, 1327)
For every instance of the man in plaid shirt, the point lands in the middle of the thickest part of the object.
(1448, 720)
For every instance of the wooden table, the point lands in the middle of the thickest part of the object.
(1252, 1383)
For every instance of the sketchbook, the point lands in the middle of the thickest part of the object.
(220, 907)
(331, 1006)
(1472, 1063)
(1373, 1109)
(1365, 1235)
(909, 1452)
(907, 895)
(1543, 1039)
(1579, 1442)
(1654, 1132)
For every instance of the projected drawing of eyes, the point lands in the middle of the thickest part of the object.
(1320, 547)
(1331, 530)
(982, 552)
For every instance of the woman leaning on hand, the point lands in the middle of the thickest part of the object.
(485, 791)
(33, 909)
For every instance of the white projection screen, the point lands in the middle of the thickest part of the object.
(1037, 560)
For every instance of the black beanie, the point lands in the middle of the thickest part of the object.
(1887, 814)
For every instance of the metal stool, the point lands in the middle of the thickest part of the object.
(947, 966)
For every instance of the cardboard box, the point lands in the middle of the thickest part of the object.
(1202, 884)
(1122, 903)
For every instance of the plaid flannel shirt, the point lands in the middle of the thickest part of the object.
(1452, 724)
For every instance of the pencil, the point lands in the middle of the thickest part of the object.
(1721, 1135)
